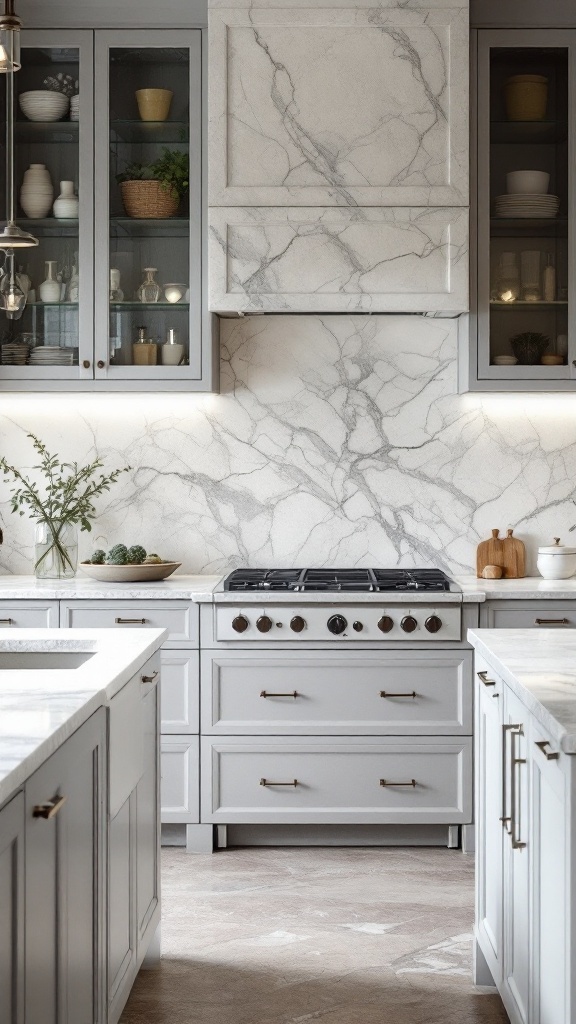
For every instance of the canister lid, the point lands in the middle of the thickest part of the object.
(556, 549)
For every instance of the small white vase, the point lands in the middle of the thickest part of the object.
(50, 289)
(37, 191)
(66, 205)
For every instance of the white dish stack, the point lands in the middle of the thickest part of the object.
(51, 355)
(527, 196)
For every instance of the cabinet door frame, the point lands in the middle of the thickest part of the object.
(488, 712)
(130, 378)
(12, 843)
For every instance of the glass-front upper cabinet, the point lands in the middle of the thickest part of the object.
(148, 274)
(526, 278)
(53, 127)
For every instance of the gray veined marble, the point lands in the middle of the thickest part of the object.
(338, 107)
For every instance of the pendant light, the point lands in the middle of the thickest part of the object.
(10, 26)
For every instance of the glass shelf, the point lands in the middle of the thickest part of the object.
(47, 132)
(149, 131)
(537, 227)
(40, 304)
(523, 305)
(49, 227)
(172, 227)
(125, 307)
(528, 132)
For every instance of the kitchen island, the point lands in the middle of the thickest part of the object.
(79, 822)
(525, 742)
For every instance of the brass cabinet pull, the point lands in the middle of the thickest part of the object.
(268, 782)
(387, 782)
(483, 679)
(6, 622)
(150, 679)
(504, 818)
(100, 364)
(50, 808)
(384, 693)
(551, 622)
(515, 762)
(86, 364)
(294, 693)
(129, 622)
(551, 755)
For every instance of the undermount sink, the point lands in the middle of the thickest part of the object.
(43, 660)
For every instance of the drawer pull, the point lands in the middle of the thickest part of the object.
(268, 782)
(130, 622)
(483, 679)
(150, 679)
(6, 622)
(550, 755)
(294, 693)
(50, 808)
(552, 622)
(387, 782)
(385, 693)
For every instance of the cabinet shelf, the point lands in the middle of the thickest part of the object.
(149, 131)
(523, 305)
(47, 227)
(537, 227)
(173, 227)
(126, 307)
(47, 132)
(40, 304)
(528, 132)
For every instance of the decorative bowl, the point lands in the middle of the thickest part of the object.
(43, 105)
(129, 573)
(174, 292)
(527, 182)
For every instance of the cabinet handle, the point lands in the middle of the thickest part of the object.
(294, 693)
(150, 679)
(387, 782)
(268, 782)
(515, 763)
(130, 622)
(86, 364)
(552, 755)
(6, 622)
(483, 679)
(504, 818)
(551, 622)
(50, 808)
(384, 693)
(100, 364)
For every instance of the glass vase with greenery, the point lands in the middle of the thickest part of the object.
(68, 500)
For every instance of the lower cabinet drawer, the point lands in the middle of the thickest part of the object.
(29, 615)
(179, 787)
(400, 780)
(359, 693)
(179, 691)
(529, 614)
(180, 618)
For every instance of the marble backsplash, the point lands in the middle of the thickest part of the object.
(335, 440)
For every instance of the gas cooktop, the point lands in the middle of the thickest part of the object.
(341, 580)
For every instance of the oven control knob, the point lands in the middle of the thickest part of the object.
(337, 624)
(297, 624)
(408, 623)
(433, 623)
(264, 624)
(240, 623)
(358, 626)
(386, 624)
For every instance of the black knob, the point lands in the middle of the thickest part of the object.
(264, 624)
(408, 623)
(357, 626)
(240, 623)
(337, 624)
(297, 624)
(386, 624)
(433, 623)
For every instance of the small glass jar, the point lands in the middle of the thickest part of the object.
(508, 283)
(55, 550)
(149, 290)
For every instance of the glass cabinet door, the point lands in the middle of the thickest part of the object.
(53, 338)
(148, 315)
(526, 286)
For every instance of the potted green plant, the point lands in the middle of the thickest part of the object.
(69, 493)
(157, 189)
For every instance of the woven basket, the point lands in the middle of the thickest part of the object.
(148, 199)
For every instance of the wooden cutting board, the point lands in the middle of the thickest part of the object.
(507, 552)
(490, 552)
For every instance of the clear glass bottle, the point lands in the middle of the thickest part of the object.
(508, 283)
(116, 293)
(149, 290)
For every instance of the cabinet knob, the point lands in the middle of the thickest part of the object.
(150, 679)
(100, 364)
(86, 364)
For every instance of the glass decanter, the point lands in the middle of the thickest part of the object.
(149, 290)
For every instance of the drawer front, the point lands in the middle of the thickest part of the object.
(528, 614)
(338, 781)
(179, 691)
(179, 788)
(126, 735)
(423, 692)
(29, 615)
(179, 617)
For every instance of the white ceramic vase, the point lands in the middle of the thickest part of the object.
(37, 191)
(66, 205)
(50, 289)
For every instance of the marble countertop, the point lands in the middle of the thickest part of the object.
(41, 707)
(531, 588)
(540, 668)
(184, 588)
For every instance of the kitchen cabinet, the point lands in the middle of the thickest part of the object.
(338, 159)
(94, 322)
(12, 910)
(514, 242)
(488, 814)
(542, 615)
(65, 870)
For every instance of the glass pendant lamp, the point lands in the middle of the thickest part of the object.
(11, 237)
(10, 26)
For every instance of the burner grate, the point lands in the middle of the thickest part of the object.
(342, 580)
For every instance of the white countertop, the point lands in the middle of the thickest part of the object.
(531, 588)
(540, 668)
(184, 588)
(41, 708)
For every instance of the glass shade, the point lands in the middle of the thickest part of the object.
(9, 47)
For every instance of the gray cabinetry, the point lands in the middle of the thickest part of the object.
(12, 910)
(543, 615)
(29, 614)
(64, 882)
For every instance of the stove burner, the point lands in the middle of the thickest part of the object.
(341, 580)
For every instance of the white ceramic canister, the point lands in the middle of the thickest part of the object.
(66, 205)
(556, 562)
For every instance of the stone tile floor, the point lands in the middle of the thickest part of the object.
(291, 935)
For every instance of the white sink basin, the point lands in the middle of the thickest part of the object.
(43, 660)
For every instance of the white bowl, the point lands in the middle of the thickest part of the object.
(174, 292)
(43, 105)
(523, 182)
(129, 573)
(505, 360)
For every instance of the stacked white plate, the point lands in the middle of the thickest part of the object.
(14, 353)
(51, 355)
(528, 205)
